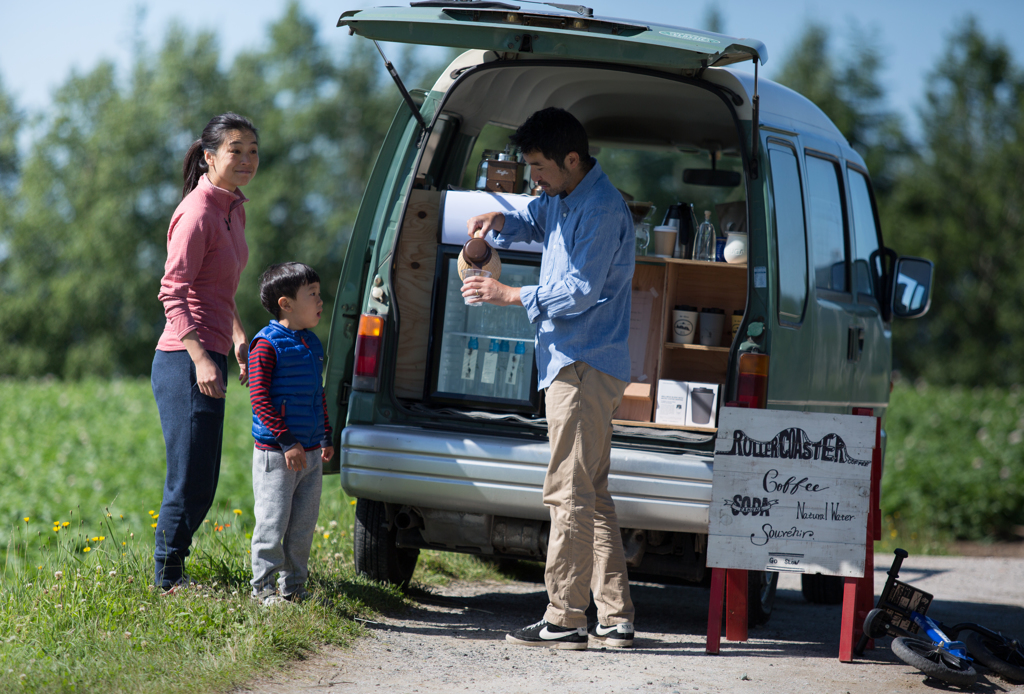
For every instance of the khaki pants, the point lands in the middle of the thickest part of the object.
(585, 547)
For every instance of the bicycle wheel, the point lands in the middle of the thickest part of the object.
(999, 654)
(934, 662)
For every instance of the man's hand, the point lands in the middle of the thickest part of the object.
(490, 291)
(295, 458)
(482, 223)
(326, 453)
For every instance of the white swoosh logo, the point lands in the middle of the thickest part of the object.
(550, 635)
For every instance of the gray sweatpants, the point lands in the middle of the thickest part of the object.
(287, 507)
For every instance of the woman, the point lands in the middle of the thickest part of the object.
(206, 253)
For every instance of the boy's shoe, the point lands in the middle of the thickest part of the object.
(549, 635)
(300, 595)
(182, 584)
(268, 596)
(616, 636)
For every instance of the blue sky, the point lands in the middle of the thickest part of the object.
(41, 42)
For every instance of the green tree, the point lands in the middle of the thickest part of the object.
(10, 126)
(961, 204)
(85, 238)
(852, 96)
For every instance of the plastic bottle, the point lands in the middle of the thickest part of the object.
(704, 246)
(469, 363)
(502, 390)
(514, 372)
(490, 380)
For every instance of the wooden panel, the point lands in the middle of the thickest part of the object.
(648, 281)
(414, 284)
(790, 492)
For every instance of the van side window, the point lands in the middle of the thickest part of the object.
(828, 237)
(866, 264)
(790, 233)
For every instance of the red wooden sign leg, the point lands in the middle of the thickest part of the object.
(715, 611)
(736, 605)
(846, 631)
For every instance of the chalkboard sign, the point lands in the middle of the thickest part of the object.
(790, 491)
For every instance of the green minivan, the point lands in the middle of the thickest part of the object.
(440, 429)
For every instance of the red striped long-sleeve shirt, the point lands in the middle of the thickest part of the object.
(262, 360)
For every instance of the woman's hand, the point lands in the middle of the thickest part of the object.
(210, 380)
(212, 383)
(242, 356)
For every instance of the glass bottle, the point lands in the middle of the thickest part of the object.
(704, 246)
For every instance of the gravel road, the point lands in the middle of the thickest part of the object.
(454, 640)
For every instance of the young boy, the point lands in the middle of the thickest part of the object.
(292, 432)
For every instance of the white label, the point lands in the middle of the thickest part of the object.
(512, 370)
(689, 37)
(760, 277)
(469, 364)
(490, 367)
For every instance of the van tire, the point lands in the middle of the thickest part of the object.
(822, 590)
(377, 554)
(761, 588)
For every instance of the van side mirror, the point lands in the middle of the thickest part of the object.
(912, 287)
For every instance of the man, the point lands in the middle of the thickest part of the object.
(581, 312)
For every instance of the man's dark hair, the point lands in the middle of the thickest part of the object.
(284, 279)
(554, 132)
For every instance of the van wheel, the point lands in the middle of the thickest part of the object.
(822, 590)
(377, 556)
(761, 587)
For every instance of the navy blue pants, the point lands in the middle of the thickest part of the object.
(193, 426)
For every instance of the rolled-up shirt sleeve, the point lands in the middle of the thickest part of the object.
(588, 262)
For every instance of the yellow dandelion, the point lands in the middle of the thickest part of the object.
(87, 549)
(56, 528)
(95, 539)
(151, 512)
(152, 525)
(892, 533)
(65, 524)
(123, 543)
(26, 519)
(352, 503)
(326, 535)
(237, 511)
(102, 538)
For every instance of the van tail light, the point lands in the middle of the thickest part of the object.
(369, 340)
(752, 388)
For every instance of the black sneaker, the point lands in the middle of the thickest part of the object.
(550, 636)
(616, 636)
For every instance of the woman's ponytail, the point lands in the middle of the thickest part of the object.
(194, 167)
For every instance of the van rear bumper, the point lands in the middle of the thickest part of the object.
(503, 476)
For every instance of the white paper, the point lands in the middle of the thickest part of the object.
(469, 364)
(459, 205)
(639, 331)
(490, 367)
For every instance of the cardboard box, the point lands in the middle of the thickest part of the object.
(637, 403)
(687, 403)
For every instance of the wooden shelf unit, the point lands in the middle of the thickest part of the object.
(699, 284)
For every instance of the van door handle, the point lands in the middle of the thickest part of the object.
(854, 344)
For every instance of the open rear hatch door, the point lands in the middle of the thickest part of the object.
(506, 28)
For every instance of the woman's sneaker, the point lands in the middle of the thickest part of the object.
(616, 636)
(550, 636)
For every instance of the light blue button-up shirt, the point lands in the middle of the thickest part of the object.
(580, 309)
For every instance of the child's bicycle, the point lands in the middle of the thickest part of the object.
(923, 643)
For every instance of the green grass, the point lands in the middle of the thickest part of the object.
(81, 476)
(954, 466)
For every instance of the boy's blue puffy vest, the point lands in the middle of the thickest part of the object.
(296, 386)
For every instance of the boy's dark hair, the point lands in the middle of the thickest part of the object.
(284, 279)
(554, 132)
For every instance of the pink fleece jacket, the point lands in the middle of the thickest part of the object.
(206, 253)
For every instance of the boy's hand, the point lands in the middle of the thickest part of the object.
(295, 459)
(326, 453)
(242, 356)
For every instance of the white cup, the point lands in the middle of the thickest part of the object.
(664, 241)
(473, 299)
(684, 325)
